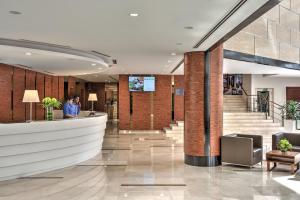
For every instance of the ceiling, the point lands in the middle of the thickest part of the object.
(241, 67)
(141, 45)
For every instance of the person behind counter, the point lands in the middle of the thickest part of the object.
(69, 110)
(77, 104)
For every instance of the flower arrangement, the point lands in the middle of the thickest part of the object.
(284, 145)
(50, 103)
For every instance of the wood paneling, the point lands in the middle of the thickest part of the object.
(18, 92)
(40, 86)
(6, 72)
(30, 85)
(48, 86)
(293, 93)
(71, 86)
(55, 88)
(61, 94)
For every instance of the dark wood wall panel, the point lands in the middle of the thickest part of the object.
(61, 94)
(30, 85)
(18, 92)
(71, 86)
(55, 87)
(48, 86)
(293, 93)
(40, 87)
(6, 93)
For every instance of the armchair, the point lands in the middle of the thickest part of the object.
(241, 149)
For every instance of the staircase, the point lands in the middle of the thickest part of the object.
(175, 131)
(236, 119)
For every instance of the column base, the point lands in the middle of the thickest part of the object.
(204, 161)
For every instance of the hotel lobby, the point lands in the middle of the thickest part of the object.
(137, 99)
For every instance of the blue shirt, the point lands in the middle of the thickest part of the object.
(77, 107)
(70, 109)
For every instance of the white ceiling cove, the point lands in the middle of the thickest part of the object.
(141, 45)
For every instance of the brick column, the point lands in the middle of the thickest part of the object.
(203, 107)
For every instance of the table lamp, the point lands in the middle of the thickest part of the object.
(92, 98)
(31, 96)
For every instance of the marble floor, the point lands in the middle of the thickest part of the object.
(143, 166)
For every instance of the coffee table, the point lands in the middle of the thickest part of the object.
(290, 157)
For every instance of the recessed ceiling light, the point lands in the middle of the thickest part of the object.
(14, 12)
(169, 61)
(94, 64)
(133, 14)
(28, 54)
(100, 68)
(189, 27)
(173, 54)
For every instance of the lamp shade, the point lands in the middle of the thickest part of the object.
(92, 97)
(31, 96)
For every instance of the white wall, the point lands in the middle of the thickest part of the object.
(279, 85)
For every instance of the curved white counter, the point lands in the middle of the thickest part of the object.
(36, 147)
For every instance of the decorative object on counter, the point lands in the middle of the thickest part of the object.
(31, 96)
(284, 145)
(50, 103)
(92, 98)
(290, 113)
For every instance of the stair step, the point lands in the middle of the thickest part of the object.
(176, 127)
(246, 120)
(258, 124)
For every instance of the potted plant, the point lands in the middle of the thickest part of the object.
(290, 112)
(50, 103)
(284, 145)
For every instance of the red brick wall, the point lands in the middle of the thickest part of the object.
(18, 92)
(6, 72)
(194, 104)
(178, 100)
(143, 103)
(124, 103)
(162, 105)
(13, 82)
(216, 99)
(141, 111)
(61, 88)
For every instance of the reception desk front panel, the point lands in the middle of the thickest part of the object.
(36, 147)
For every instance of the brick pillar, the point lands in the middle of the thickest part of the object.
(203, 107)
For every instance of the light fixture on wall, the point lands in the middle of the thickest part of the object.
(31, 96)
(92, 98)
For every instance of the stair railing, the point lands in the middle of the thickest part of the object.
(272, 109)
(251, 101)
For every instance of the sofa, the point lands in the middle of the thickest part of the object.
(242, 149)
(293, 138)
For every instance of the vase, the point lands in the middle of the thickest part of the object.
(49, 113)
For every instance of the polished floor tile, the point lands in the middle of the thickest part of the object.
(144, 166)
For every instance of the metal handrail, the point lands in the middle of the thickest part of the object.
(270, 107)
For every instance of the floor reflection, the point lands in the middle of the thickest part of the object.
(146, 166)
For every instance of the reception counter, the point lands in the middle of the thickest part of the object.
(36, 147)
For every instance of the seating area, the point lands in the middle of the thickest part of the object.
(293, 138)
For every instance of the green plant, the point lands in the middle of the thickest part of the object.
(284, 145)
(291, 110)
(51, 102)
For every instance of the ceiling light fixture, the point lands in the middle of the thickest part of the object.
(28, 54)
(94, 64)
(169, 61)
(14, 12)
(133, 14)
(173, 54)
(189, 27)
